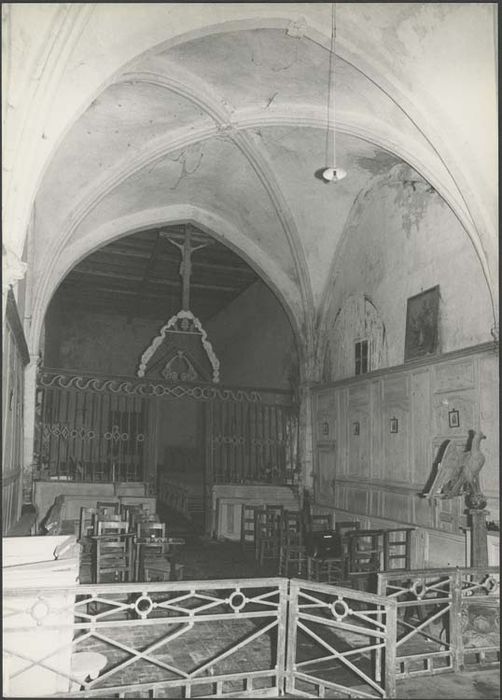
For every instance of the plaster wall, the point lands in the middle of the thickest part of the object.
(91, 342)
(402, 239)
(254, 341)
(252, 338)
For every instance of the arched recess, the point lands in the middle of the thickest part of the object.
(283, 287)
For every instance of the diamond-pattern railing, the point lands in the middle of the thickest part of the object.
(179, 639)
(443, 614)
(197, 639)
(334, 635)
(479, 608)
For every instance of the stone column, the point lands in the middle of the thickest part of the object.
(305, 446)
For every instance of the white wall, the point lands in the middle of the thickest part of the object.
(254, 342)
(401, 239)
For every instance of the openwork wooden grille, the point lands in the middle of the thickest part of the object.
(98, 428)
(335, 634)
(253, 442)
(86, 435)
(446, 618)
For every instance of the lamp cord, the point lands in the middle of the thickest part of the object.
(330, 132)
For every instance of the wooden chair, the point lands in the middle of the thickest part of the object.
(130, 513)
(268, 526)
(397, 548)
(327, 557)
(248, 525)
(292, 552)
(86, 528)
(150, 529)
(365, 550)
(332, 569)
(326, 570)
(150, 546)
(112, 527)
(105, 509)
(113, 551)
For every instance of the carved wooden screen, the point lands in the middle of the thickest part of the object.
(91, 436)
(253, 441)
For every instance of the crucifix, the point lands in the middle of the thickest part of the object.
(186, 264)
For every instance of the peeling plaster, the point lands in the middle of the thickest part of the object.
(357, 319)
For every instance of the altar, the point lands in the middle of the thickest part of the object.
(228, 499)
(78, 494)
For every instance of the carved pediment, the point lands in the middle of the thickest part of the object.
(174, 363)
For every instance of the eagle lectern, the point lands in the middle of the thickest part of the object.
(455, 473)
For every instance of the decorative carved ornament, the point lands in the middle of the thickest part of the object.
(182, 322)
(180, 368)
(102, 385)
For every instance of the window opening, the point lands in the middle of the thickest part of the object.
(361, 356)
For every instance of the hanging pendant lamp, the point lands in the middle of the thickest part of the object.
(331, 173)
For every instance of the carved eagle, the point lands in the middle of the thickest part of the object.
(454, 472)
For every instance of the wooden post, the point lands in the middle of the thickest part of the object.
(390, 648)
(455, 622)
(479, 541)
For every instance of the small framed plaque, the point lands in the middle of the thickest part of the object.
(453, 418)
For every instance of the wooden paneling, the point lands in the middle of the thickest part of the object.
(325, 479)
(421, 420)
(380, 473)
(15, 357)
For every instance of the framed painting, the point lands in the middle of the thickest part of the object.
(422, 324)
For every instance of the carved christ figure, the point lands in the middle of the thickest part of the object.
(186, 265)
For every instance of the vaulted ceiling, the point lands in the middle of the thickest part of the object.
(217, 118)
(233, 124)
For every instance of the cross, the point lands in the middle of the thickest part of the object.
(186, 264)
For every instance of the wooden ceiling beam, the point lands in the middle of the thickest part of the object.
(104, 259)
(141, 288)
(77, 277)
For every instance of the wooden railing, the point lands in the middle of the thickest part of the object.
(337, 636)
(446, 618)
(227, 638)
(253, 442)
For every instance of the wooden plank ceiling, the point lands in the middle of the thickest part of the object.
(139, 276)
